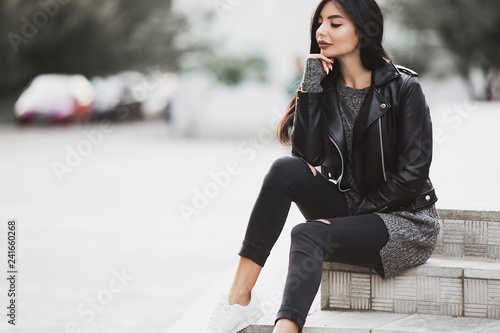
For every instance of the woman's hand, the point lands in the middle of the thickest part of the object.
(313, 169)
(326, 62)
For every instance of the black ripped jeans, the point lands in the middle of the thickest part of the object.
(348, 239)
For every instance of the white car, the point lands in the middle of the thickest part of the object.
(55, 98)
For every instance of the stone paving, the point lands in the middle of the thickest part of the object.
(366, 322)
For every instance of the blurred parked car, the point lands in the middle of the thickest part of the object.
(108, 93)
(158, 102)
(115, 98)
(131, 95)
(55, 98)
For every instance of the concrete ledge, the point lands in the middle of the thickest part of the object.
(469, 215)
(469, 234)
(448, 287)
(434, 267)
(372, 322)
(346, 268)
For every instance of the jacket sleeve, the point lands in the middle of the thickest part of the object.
(413, 155)
(307, 133)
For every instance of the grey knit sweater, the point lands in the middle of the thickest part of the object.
(412, 235)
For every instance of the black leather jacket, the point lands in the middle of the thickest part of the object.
(392, 147)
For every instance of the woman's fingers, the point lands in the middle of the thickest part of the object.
(325, 68)
(321, 57)
(324, 221)
(313, 169)
(328, 63)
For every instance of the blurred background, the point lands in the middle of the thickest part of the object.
(135, 135)
(136, 54)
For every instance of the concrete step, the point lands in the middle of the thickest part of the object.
(457, 287)
(372, 322)
(448, 287)
(469, 234)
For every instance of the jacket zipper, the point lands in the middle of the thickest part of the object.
(382, 155)
(378, 211)
(339, 180)
(382, 147)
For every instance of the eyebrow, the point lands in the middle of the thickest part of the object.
(332, 17)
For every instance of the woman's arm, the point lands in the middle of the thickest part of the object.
(413, 155)
(307, 132)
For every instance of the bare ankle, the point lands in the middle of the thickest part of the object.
(241, 298)
(244, 281)
(285, 325)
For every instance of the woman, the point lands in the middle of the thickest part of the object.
(365, 121)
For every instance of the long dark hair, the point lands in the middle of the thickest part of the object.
(369, 22)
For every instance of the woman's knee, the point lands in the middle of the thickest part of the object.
(308, 232)
(316, 236)
(285, 163)
(306, 239)
(286, 167)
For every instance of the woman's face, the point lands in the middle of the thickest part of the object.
(336, 35)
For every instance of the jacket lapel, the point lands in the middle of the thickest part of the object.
(333, 120)
(373, 107)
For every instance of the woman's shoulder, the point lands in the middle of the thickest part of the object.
(403, 81)
(406, 70)
(407, 78)
(394, 74)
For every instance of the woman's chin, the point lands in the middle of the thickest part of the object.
(329, 55)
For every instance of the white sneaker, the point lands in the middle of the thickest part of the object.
(233, 318)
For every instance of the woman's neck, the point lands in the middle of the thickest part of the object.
(353, 73)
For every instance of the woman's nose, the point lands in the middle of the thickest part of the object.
(320, 31)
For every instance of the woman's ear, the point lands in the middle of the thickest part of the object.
(361, 40)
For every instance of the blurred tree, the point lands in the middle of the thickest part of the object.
(469, 29)
(213, 57)
(87, 37)
(232, 70)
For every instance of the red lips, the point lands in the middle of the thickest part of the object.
(324, 46)
(321, 42)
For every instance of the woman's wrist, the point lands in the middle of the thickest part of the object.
(313, 74)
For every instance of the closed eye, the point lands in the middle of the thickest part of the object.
(335, 25)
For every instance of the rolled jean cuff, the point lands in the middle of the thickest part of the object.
(291, 314)
(254, 252)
